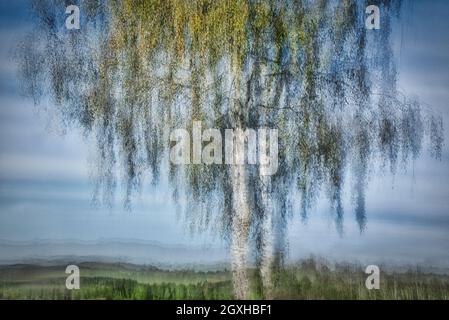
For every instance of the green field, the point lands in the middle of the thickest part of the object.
(304, 280)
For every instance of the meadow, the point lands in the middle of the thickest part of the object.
(307, 279)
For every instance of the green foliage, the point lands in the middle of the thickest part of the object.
(309, 279)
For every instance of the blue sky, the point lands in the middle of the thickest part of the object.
(44, 179)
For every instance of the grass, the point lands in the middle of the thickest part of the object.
(305, 280)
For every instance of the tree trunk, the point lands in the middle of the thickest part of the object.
(272, 238)
(240, 232)
(267, 239)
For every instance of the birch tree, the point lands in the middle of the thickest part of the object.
(137, 70)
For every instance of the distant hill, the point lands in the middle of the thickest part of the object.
(46, 252)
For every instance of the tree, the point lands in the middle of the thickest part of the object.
(137, 70)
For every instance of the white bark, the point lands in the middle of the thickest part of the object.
(267, 246)
(240, 232)
(272, 237)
